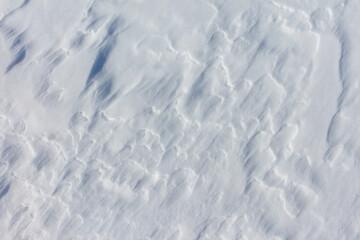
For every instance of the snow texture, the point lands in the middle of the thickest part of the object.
(169, 119)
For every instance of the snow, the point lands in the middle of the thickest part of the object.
(166, 119)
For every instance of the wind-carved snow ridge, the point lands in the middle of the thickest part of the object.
(344, 117)
(179, 119)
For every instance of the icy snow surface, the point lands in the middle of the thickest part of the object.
(180, 119)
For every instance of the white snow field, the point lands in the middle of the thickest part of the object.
(180, 119)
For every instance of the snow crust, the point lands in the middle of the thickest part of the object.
(169, 119)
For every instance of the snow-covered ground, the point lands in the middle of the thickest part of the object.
(180, 119)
